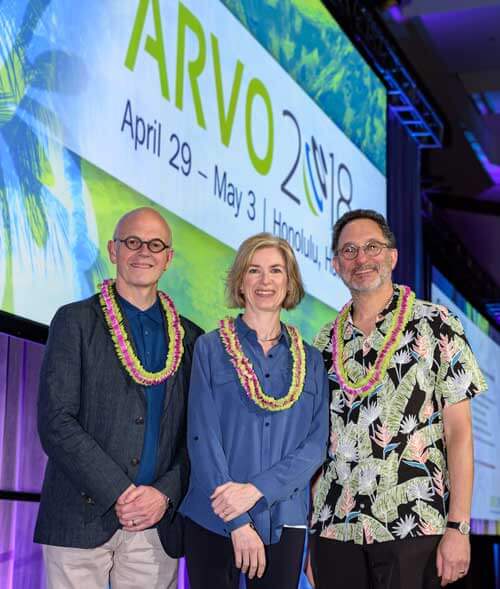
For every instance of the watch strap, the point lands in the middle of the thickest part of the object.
(463, 527)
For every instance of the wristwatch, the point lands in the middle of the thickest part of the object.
(463, 527)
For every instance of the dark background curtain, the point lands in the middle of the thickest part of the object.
(22, 463)
(404, 211)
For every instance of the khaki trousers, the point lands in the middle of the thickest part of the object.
(129, 560)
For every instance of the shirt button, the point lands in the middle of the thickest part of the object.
(267, 375)
(134, 461)
(196, 438)
(362, 505)
(269, 355)
(146, 332)
(267, 424)
(139, 420)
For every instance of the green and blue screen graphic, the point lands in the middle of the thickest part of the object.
(230, 117)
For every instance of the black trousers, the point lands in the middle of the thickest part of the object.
(210, 560)
(398, 564)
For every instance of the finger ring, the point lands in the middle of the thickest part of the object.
(461, 572)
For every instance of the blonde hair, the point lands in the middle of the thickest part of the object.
(244, 255)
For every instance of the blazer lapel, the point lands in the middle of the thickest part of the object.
(170, 392)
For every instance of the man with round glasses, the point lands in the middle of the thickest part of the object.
(392, 503)
(111, 418)
(135, 243)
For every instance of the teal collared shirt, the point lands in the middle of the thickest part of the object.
(149, 340)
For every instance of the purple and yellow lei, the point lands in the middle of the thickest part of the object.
(376, 374)
(123, 347)
(246, 373)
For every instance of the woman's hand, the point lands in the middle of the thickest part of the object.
(249, 553)
(231, 500)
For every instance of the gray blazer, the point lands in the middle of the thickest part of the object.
(91, 420)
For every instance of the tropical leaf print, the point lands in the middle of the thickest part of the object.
(447, 347)
(365, 449)
(322, 489)
(354, 370)
(423, 347)
(386, 323)
(366, 473)
(424, 310)
(439, 484)
(437, 458)
(377, 531)
(406, 339)
(417, 448)
(408, 424)
(418, 443)
(346, 503)
(431, 521)
(322, 338)
(420, 489)
(385, 507)
(427, 409)
(426, 379)
(455, 324)
(347, 532)
(394, 409)
(404, 526)
(387, 474)
(382, 436)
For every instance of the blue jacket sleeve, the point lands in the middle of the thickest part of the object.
(209, 467)
(294, 471)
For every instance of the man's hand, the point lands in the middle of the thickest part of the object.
(453, 556)
(122, 499)
(139, 508)
(249, 553)
(232, 499)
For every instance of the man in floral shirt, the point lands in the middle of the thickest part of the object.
(392, 505)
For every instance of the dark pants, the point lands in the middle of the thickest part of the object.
(210, 560)
(397, 564)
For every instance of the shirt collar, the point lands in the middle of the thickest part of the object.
(153, 313)
(245, 331)
(391, 305)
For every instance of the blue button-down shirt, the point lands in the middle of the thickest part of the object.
(148, 336)
(230, 438)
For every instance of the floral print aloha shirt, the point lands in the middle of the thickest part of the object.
(385, 477)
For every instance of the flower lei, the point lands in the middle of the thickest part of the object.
(246, 373)
(123, 347)
(376, 374)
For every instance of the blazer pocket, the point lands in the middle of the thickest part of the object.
(91, 510)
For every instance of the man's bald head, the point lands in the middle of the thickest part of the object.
(143, 217)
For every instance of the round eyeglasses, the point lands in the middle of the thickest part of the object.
(371, 249)
(135, 243)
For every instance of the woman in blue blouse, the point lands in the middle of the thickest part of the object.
(257, 430)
